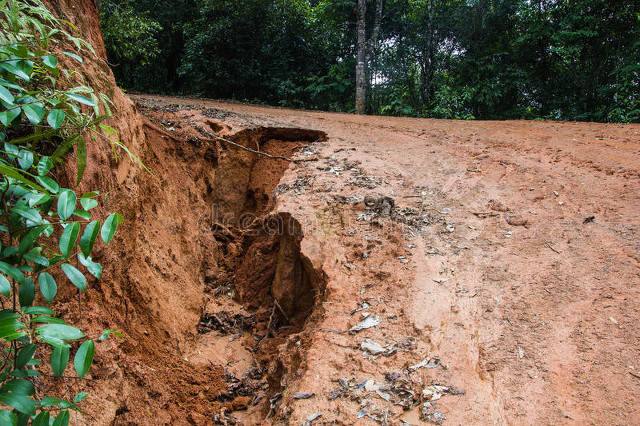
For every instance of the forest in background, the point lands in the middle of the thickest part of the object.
(465, 59)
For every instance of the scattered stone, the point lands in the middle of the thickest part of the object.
(303, 395)
(314, 416)
(425, 363)
(368, 322)
(372, 347)
(497, 206)
(517, 221)
(382, 206)
(429, 413)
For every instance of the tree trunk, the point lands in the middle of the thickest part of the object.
(361, 78)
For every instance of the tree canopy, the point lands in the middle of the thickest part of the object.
(484, 59)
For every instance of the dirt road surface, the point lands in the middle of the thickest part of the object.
(498, 261)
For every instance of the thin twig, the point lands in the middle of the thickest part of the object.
(551, 247)
(273, 311)
(281, 310)
(276, 157)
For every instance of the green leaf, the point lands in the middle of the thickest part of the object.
(59, 360)
(38, 310)
(73, 55)
(48, 286)
(81, 99)
(94, 268)
(105, 334)
(88, 203)
(49, 401)
(37, 259)
(38, 198)
(49, 184)
(5, 286)
(47, 320)
(66, 204)
(13, 69)
(26, 159)
(62, 419)
(89, 237)
(55, 118)
(65, 146)
(19, 386)
(8, 418)
(25, 373)
(75, 276)
(26, 292)
(9, 330)
(6, 95)
(27, 241)
(110, 226)
(44, 165)
(29, 214)
(34, 113)
(84, 358)
(12, 271)
(12, 150)
(21, 403)
(79, 397)
(24, 356)
(41, 419)
(50, 61)
(69, 238)
(59, 331)
(83, 214)
(7, 117)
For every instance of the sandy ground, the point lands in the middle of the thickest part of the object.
(509, 261)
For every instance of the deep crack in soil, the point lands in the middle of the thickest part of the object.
(262, 289)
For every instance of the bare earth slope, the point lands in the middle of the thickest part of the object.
(507, 254)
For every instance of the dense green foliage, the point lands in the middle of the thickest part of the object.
(488, 59)
(47, 233)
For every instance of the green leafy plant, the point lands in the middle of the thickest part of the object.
(46, 231)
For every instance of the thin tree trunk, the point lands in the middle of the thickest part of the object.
(361, 78)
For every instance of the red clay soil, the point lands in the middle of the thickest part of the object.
(492, 267)
(507, 257)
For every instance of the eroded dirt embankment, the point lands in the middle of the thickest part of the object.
(425, 270)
